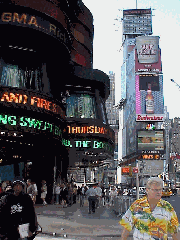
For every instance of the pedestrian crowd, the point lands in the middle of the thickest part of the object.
(66, 194)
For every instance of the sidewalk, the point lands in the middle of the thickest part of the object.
(75, 222)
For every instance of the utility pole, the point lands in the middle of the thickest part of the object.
(137, 180)
(136, 4)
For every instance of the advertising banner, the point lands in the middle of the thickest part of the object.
(147, 49)
(152, 167)
(148, 67)
(150, 141)
(149, 98)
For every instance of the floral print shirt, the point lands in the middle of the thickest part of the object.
(150, 225)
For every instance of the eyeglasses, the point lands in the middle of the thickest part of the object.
(156, 190)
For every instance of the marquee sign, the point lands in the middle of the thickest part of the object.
(29, 124)
(88, 143)
(34, 22)
(92, 129)
(30, 100)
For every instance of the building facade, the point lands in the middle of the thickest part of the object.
(52, 100)
(142, 90)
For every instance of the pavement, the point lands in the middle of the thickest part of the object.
(75, 223)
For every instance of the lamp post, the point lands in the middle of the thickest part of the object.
(137, 181)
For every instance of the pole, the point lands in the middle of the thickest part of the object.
(136, 4)
(137, 181)
(54, 180)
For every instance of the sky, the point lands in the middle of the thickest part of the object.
(107, 50)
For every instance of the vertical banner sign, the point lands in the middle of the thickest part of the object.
(147, 49)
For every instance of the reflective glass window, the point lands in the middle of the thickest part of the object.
(81, 106)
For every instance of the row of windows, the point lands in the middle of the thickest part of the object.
(13, 76)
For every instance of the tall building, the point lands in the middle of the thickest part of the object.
(110, 174)
(53, 116)
(113, 112)
(142, 92)
(174, 149)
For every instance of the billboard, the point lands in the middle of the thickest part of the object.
(149, 97)
(150, 141)
(137, 21)
(148, 67)
(147, 49)
(152, 167)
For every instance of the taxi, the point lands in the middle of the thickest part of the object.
(167, 192)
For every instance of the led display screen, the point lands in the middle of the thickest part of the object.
(145, 79)
(150, 141)
(28, 124)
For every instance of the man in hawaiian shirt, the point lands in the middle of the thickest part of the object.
(151, 217)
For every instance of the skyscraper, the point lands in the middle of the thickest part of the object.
(142, 90)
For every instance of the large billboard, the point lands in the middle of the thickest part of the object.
(137, 21)
(147, 49)
(149, 97)
(152, 167)
(150, 141)
(148, 67)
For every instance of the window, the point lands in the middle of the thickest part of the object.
(13, 76)
(81, 106)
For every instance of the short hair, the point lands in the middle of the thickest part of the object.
(154, 180)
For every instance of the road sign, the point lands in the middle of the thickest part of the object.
(135, 170)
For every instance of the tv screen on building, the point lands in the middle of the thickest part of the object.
(152, 79)
(150, 141)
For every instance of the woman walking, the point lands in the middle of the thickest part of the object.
(44, 192)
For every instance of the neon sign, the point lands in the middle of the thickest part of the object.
(32, 101)
(29, 123)
(88, 129)
(151, 156)
(87, 144)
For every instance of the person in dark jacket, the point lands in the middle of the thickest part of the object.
(17, 209)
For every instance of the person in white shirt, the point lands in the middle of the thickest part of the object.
(92, 198)
(99, 195)
(112, 195)
(57, 192)
(82, 194)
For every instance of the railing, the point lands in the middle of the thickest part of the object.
(121, 204)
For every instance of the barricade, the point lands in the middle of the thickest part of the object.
(121, 204)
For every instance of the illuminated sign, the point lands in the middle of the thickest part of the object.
(35, 22)
(150, 141)
(31, 101)
(29, 124)
(88, 130)
(81, 144)
(151, 156)
(125, 169)
(150, 126)
(150, 117)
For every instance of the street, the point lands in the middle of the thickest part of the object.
(75, 222)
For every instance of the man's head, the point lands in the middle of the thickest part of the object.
(18, 185)
(154, 188)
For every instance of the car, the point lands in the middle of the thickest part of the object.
(167, 192)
